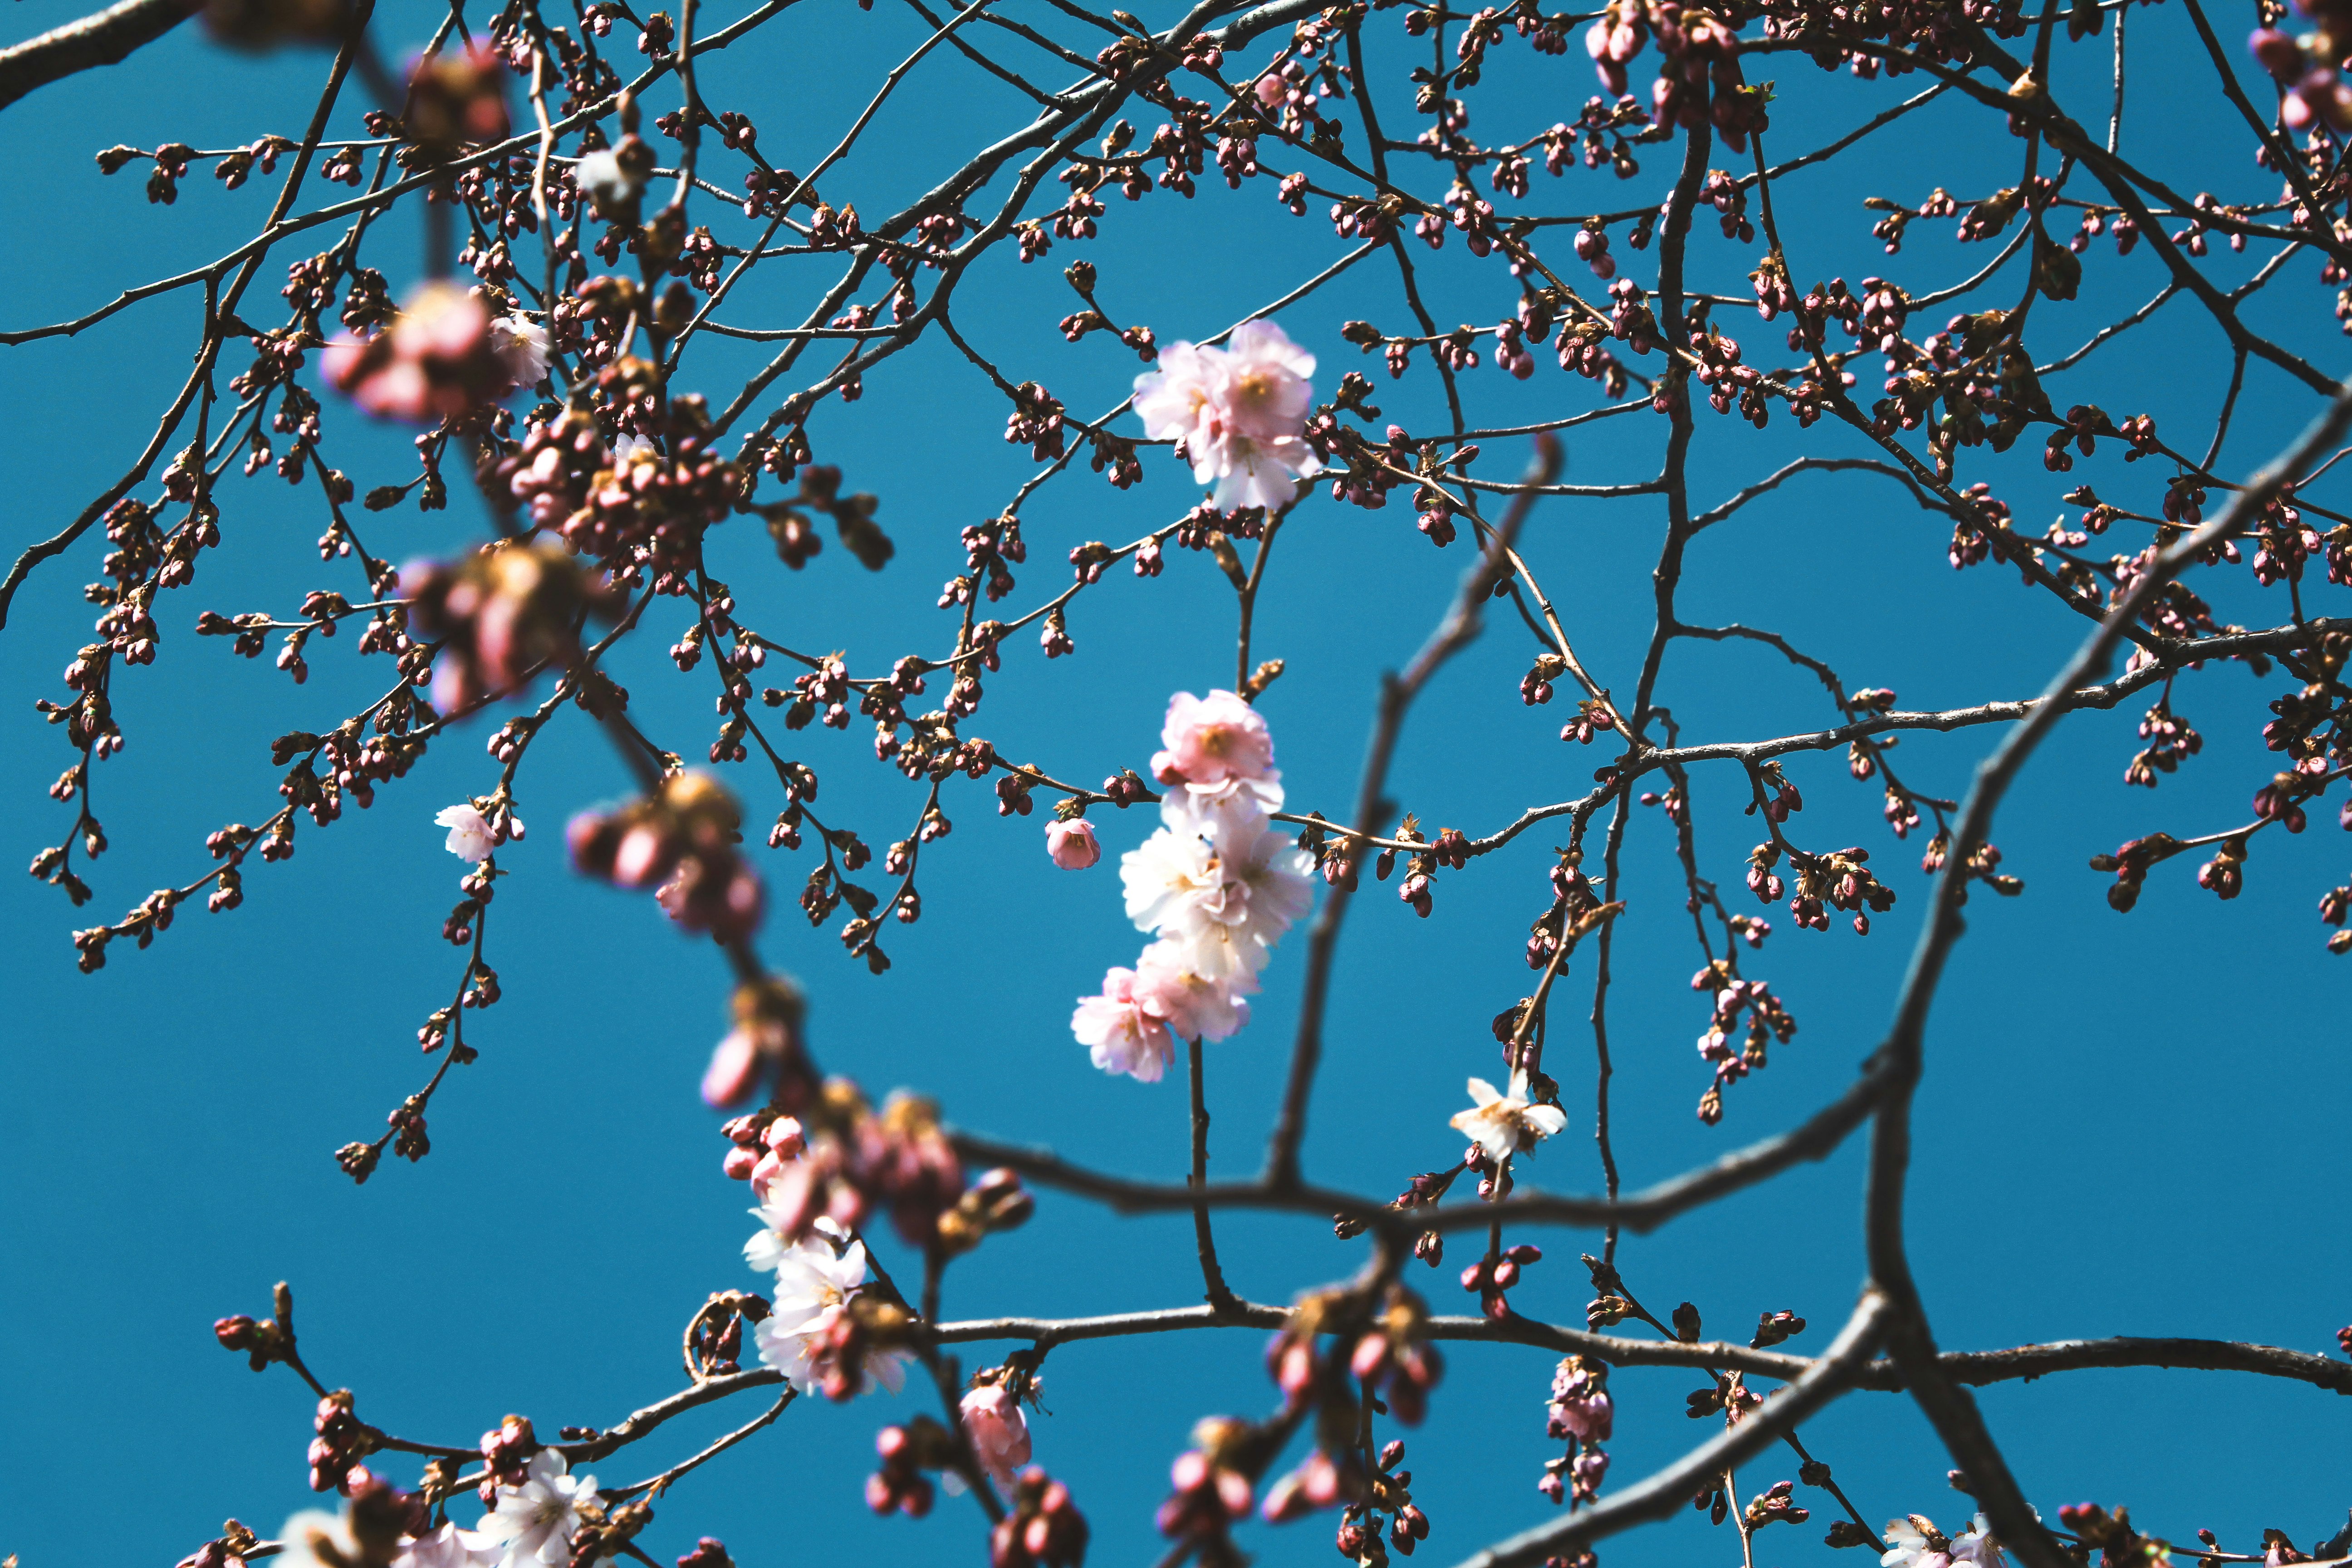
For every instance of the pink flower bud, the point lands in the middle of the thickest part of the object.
(999, 1431)
(2280, 54)
(734, 1069)
(1072, 845)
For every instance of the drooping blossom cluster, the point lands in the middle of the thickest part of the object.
(498, 616)
(681, 842)
(626, 475)
(1581, 1413)
(1216, 883)
(1914, 1541)
(826, 1330)
(537, 1515)
(444, 357)
(1238, 413)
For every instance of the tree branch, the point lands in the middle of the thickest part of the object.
(103, 38)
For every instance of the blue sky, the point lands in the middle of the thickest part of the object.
(2125, 1125)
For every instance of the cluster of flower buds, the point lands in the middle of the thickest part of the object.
(445, 356)
(714, 1340)
(343, 1440)
(1394, 1355)
(853, 517)
(997, 1201)
(1699, 79)
(2306, 68)
(228, 1550)
(271, 1338)
(1390, 1493)
(839, 1161)
(1580, 1407)
(1489, 1278)
(1213, 1489)
(559, 461)
(456, 100)
(2112, 1533)
(901, 1486)
(505, 1451)
(500, 614)
(1767, 1020)
(766, 1043)
(1044, 1529)
(681, 841)
(648, 509)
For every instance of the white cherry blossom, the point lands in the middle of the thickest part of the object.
(1221, 892)
(534, 1523)
(1978, 1546)
(470, 838)
(316, 1538)
(814, 1282)
(521, 344)
(448, 1547)
(1501, 1124)
(1123, 1028)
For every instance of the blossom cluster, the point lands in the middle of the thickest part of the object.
(1236, 413)
(1215, 883)
(444, 357)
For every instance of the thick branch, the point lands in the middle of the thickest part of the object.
(100, 39)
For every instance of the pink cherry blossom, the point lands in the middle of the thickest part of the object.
(1121, 1031)
(1217, 747)
(734, 1069)
(1194, 1005)
(999, 1431)
(1240, 413)
(438, 358)
(1073, 845)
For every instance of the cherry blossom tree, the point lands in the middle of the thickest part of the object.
(594, 206)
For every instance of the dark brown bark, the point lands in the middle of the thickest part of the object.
(99, 39)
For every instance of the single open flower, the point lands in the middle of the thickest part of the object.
(1501, 1124)
(470, 838)
(521, 344)
(998, 1431)
(534, 1523)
